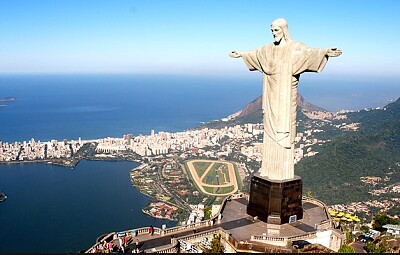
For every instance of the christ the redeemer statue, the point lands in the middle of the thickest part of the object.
(281, 64)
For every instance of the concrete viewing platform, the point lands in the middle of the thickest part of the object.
(240, 232)
(245, 228)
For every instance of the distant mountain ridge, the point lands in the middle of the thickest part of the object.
(333, 175)
(252, 113)
(256, 105)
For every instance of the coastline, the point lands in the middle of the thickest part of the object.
(78, 200)
(140, 167)
(71, 165)
(24, 161)
(76, 161)
(157, 217)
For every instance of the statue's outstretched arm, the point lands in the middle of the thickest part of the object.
(334, 52)
(235, 54)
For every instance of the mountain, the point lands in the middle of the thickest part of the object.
(251, 108)
(252, 113)
(334, 174)
(256, 105)
(304, 105)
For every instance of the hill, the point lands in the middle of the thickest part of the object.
(252, 113)
(337, 174)
(334, 175)
(255, 107)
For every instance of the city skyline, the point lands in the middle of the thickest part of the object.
(193, 37)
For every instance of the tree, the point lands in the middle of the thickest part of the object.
(349, 235)
(346, 248)
(216, 245)
(377, 247)
(382, 219)
(364, 229)
(207, 213)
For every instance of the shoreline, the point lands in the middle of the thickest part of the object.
(24, 161)
(139, 167)
(157, 217)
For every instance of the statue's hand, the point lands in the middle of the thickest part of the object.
(235, 54)
(334, 52)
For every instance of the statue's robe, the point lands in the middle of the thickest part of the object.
(281, 67)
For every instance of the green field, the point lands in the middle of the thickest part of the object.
(225, 190)
(211, 177)
(219, 191)
(224, 175)
(218, 175)
(201, 167)
(191, 177)
(238, 179)
(209, 189)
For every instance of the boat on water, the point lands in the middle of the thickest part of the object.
(3, 197)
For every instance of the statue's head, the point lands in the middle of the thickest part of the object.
(279, 29)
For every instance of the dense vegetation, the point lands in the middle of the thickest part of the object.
(334, 174)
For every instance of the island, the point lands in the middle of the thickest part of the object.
(7, 99)
(3, 196)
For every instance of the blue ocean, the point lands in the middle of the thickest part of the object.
(97, 106)
(56, 209)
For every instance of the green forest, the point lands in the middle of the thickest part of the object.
(334, 174)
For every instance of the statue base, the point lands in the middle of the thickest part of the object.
(276, 201)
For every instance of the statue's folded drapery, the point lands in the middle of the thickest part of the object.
(281, 67)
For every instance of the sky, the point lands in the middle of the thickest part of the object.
(191, 36)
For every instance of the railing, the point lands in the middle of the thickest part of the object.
(254, 247)
(170, 248)
(192, 226)
(105, 237)
(201, 234)
(319, 203)
(132, 232)
(239, 246)
(173, 247)
(302, 237)
(156, 231)
(326, 224)
(267, 238)
(283, 241)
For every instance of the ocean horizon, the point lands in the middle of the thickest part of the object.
(67, 106)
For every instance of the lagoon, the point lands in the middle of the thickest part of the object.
(58, 209)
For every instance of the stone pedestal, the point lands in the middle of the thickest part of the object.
(275, 201)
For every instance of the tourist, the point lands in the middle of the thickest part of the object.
(137, 245)
(126, 241)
